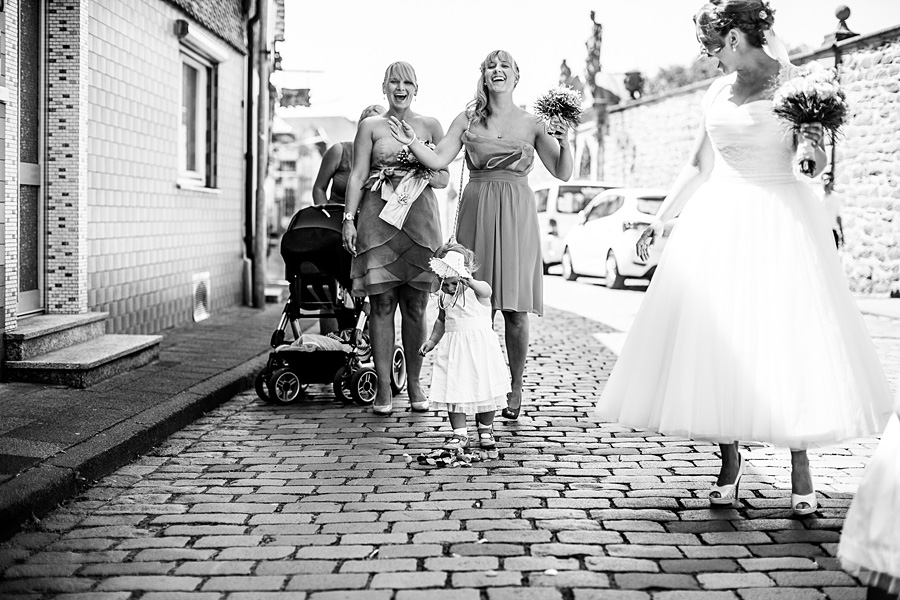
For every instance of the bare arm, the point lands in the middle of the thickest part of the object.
(482, 289)
(441, 177)
(554, 150)
(445, 151)
(689, 179)
(362, 151)
(437, 332)
(330, 163)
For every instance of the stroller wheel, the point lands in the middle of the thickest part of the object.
(284, 387)
(260, 384)
(341, 385)
(398, 370)
(364, 386)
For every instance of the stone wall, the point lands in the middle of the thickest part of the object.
(867, 163)
(648, 141)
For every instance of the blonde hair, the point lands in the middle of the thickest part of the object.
(371, 111)
(478, 109)
(404, 70)
(468, 255)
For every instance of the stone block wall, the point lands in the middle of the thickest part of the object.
(9, 238)
(867, 164)
(146, 237)
(649, 141)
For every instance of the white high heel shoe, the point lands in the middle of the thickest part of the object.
(812, 504)
(727, 494)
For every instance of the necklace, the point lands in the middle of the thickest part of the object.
(497, 127)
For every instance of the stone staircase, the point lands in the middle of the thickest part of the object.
(72, 350)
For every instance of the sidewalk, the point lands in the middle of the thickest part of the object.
(56, 440)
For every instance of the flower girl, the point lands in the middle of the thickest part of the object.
(470, 376)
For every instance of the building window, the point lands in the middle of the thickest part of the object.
(198, 124)
(290, 202)
(289, 166)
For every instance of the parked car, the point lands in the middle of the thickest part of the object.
(602, 243)
(558, 205)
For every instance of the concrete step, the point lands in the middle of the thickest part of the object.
(44, 333)
(84, 364)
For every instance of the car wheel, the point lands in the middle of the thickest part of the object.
(341, 386)
(364, 386)
(284, 387)
(398, 370)
(568, 271)
(614, 281)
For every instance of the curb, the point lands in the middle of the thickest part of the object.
(40, 489)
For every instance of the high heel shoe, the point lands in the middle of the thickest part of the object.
(511, 414)
(812, 504)
(383, 410)
(727, 494)
(422, 406)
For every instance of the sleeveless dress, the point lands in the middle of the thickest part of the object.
(342, 175)
(388, 257)
(498, 221)
(469, 374)
(748, 330)
(870, 539)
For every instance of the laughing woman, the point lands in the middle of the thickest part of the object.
(390, 263)
(497, 215)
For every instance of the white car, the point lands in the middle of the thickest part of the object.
(558, 205)
(602, 243)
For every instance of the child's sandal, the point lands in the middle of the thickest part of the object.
(457, 442)
(486, 438)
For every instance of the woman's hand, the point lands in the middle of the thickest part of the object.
(648, 236)
(814, 132)
(427, 347)
(556, 128)
(402, 131)
(348, 233)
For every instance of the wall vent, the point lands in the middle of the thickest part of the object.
(200, 292)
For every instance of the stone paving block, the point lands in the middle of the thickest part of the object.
(569, 579)
(454, 594)
(485, 579)
(845, 593)
(785, 563)
(530, 563)
(252, 583)
(348, 595)
(379, 565)
(488, 549)
(646, 581)
(96, 596)
(523, 594)
(149, 583)
(216, 567)
(620, 565)
(40, 570)
(812, 578)
(127, 568)
(167, 554)
(719, 581)
(596, 594)
(296, 567)
(781, 594)
(694, 595)
(398, 581)
(178, 596)
(695, 566)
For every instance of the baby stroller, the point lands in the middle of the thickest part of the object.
(317, 268)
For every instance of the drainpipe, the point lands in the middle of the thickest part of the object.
(250, 166)
(261, 238)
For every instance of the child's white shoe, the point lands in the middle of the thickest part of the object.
(486, 438)
(457, 442)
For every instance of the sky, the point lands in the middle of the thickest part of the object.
(340, 48)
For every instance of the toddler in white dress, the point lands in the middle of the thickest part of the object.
(470, 376)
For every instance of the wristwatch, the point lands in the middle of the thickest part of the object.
(348, 217)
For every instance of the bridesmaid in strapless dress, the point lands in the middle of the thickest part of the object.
(497, 215)
(390, 264)
(336, 166)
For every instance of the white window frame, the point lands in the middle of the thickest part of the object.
(198, 175)
(203, 53)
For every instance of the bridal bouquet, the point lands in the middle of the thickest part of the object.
(410, 187)
(560, 102)
(810, 96)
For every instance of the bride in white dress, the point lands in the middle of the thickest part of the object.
(748, 330)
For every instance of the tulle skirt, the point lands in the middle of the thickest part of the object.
(469, 374)
(870, 540)
(748, 330)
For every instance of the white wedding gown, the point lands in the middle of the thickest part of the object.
(748, 330)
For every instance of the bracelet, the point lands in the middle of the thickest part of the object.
(414, 140)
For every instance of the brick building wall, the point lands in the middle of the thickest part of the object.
(9, 239)
(648, 142)
(146, 237)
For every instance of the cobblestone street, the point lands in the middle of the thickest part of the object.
(316, 501)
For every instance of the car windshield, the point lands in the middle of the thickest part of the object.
(573, 198)
(649, 205)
